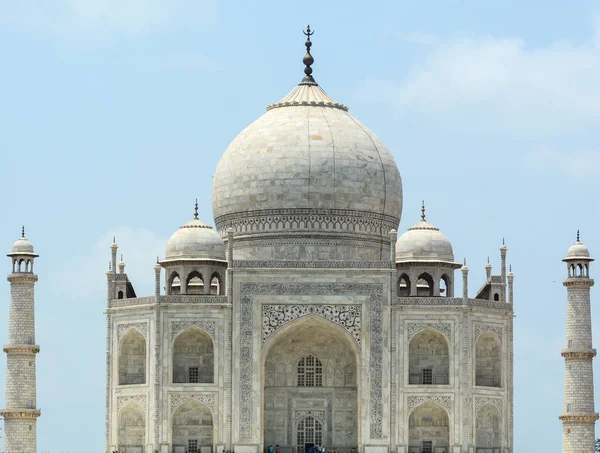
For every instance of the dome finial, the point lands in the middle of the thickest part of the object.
(423, 210)
(196, 210)
(577, 235)
(308, 59)
(23, 232)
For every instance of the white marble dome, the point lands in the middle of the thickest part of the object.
(578, 250)
(424, 242)
(22, 246)
(307, 165)
(195, 241)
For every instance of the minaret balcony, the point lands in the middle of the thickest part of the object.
(578, 353)
(578, 417)
(20, 413)
(21, 348)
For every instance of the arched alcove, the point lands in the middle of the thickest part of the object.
(193, 357)
(216, 287)
(488, 361)
(446, 286)
(488, 435)
(425, 285)
(428, 359)
(132, 358)
(310, 369)
(309, 431)
(192, 428)
(195, 283)
(132, 429)
(174, 285)
(404, 286)
(428, 429)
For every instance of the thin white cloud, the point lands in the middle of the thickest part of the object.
(552, 86)
(575, 165)
(139, 248)
(105, 17)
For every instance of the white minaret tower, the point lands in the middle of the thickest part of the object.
(578, 417)
(20, 414)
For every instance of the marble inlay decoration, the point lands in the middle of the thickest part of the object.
(414, 401)
(481, 328)
(177, 399)
(317, 415)
(139, 399)
(207, 326)
(481, 401)
(141, 327)
(415, 328)
(347, 316)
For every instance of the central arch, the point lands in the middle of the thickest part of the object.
(192, 428)
(429, 429)
(311, 386)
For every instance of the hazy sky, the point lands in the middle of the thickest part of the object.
(114, 114)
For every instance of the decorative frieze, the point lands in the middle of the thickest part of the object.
(208, 399)
(280, 264)
(414, 401)
(481, 401)
(139, 399)
(208, 326)
(481, 328)
(141, 327)
(194, 299)
(449, 302)
(317, 415)
(346, 316)
(414, 328)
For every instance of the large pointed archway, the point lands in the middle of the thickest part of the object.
(311, 386)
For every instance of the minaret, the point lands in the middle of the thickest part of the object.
(20, 414)
(578, 415)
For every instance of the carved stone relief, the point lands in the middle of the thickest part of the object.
(141, 327)
(414, 401)
(207, 326)
(415, 328)
(347, 316)
(481, 401)
(139, 399)
(177, 399)
(481, 328)
(317, 415)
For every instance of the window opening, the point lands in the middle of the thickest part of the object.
(192, 445)
(427, 376)
(427, 446)
(570, 344)
(309, 433)
(569, 407)
(193, 375)
(310, 372)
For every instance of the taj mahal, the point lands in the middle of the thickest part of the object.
(304, 318)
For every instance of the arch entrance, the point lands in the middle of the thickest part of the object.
(429, 429)
(192, 428)
(310, 387)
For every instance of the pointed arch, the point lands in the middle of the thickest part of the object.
(488, 360)
(429, 358)
(446, 289)
(579, 270)
(309, 372)
(309, 430)
(192, 427)
(132, 428)
(193, 357)
(425, 285)
(216, 284)
(488, 429)
(195, 283)
(132, 358)
(174, 283)
(428, 428)
(404, 285)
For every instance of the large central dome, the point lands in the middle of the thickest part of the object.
(308, 181)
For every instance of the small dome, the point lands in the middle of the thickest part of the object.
(424, 242)
(578, 250)
(22, 246)
(195, 241)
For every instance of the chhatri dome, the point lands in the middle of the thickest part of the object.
(424, 242)
(22, 246)
(195, 241)
(578, 250)
(307, 180)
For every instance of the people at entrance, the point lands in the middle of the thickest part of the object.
(311, 449)
(271, 449)
(277, 449)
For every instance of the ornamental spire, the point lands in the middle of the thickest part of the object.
(577, 235)
(23, 232)
(308, 59)
(196, 210)
(423, 211)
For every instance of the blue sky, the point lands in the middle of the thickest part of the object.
(114, 114)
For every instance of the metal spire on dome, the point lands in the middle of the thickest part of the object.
(23, 232)
(423, 211)
(196, 210)
(308, 59)
(577, 235)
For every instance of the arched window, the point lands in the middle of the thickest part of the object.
(174, 284)
(428, 429)
(192, 428)
(195, 283)
(488, 429)
(404, 286)
(425, 285)
(193, 357)
(496, 296)
(572, 273)
(132, 428)
(488, 361)
(21, 267)
(215, 284)
(132, 358)
(120, 295)
(27, 264)
(308, 431)
(428, 359)
(579, 270)
(445, 286)
(310, 372)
